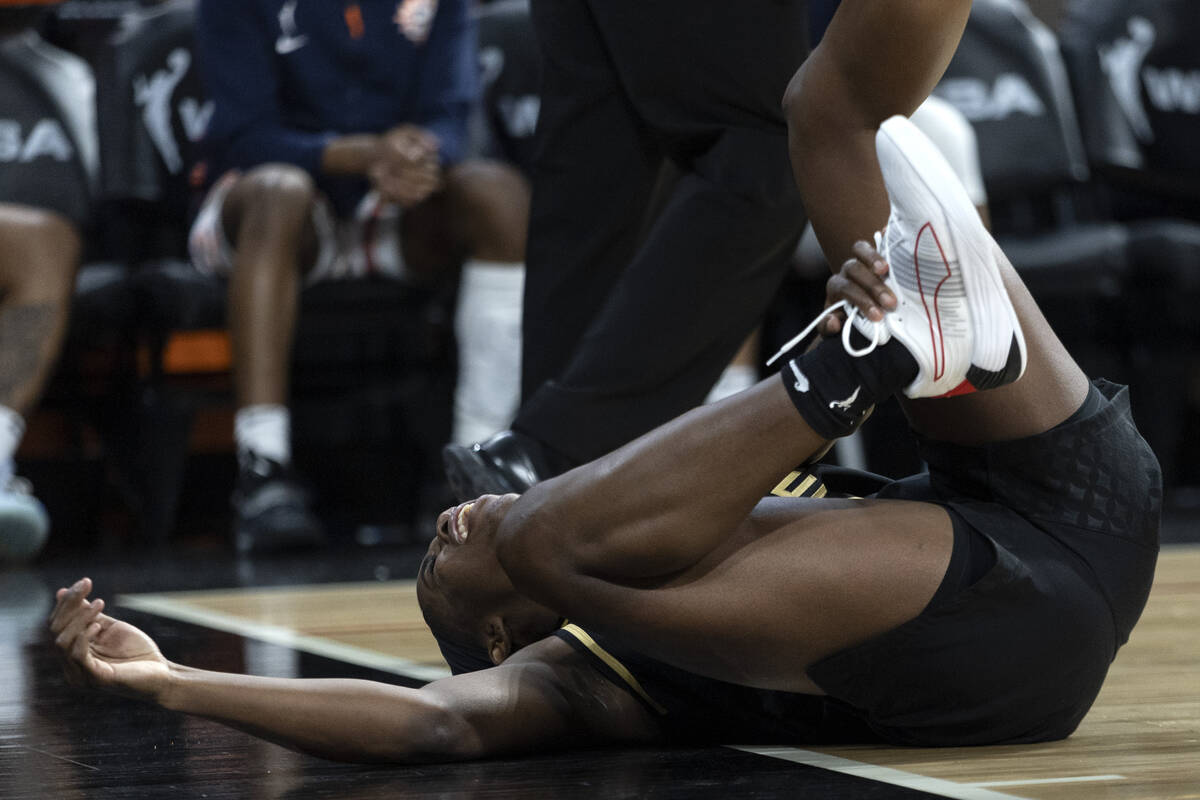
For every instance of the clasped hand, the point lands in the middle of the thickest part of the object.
(405, 167)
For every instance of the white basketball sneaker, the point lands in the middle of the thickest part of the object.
(24, 523)
(954, 314)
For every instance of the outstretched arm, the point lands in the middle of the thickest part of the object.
(877, 58)
(544, 697)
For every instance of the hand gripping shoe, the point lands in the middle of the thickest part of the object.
(954, 314)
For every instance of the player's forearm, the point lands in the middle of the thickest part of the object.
(343, 720)
(659, 504)
(350, 155)
(839, 179)
(838, 175)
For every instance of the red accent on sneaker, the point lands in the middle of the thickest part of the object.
(935, 336)
(963, 388)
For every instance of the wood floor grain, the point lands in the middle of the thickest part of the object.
(1141, 740)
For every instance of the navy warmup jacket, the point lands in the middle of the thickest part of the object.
(289, 75)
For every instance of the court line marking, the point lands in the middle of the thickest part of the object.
(60, 758)
(183, 611)
(895, 777)
(1039, 781)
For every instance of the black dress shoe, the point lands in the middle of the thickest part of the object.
(507, 462)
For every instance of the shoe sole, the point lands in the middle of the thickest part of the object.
(980, 274)
(470, 476)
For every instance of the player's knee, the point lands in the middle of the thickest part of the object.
(276, 190)
(486, 187)
(491, 199)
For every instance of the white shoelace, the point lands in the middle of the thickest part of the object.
(851, 315)
(847, 326)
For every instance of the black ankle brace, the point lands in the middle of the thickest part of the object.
(834, 390)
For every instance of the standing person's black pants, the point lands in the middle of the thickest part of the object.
(624, 327)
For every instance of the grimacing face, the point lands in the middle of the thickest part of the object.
(460, 581)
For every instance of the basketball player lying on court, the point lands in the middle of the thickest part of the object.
(979, 603)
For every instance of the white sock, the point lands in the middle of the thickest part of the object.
(264, 429)
(735, 378)
(487, 325)
(12, 428)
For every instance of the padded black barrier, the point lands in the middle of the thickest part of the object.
(104, 301)
(1145, 53)
(1163, 327)
(152, 107)
(511, 80)
(1136, 71)
(373, 382)
(174, 295)
(1008, 79)
(152, 112)
(1167, 255)
(1108, 136)
(40, 163)
(1080, 275)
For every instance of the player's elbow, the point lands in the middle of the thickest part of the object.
(534, 543)
(811, 120)
(795, 101)
(825, 103)
(438, 734)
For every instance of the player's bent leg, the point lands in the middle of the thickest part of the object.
(685, 488)
(951, 272)
(1051, 389)
(482, 213)
(687, 485)
(268, 217)
(39, 253)
(488, 207)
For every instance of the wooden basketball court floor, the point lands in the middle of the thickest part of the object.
(1141, 739)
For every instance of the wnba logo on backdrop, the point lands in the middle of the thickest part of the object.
(1122, 62)
(982, 100)
(46, 139)
(153, 93)
(1168, 89)
(414, 18)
